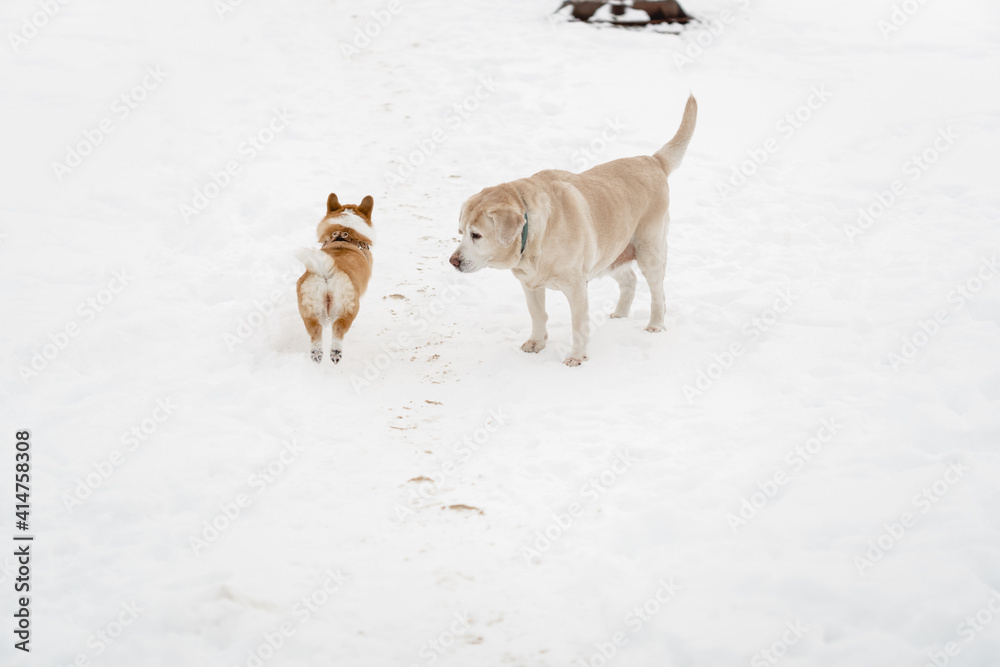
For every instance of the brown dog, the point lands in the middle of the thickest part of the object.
(337, 273)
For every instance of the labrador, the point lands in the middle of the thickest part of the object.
(558, 230)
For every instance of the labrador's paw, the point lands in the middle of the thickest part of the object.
(533, 346)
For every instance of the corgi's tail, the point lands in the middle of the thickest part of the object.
(316, 261)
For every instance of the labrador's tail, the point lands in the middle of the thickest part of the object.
(672, 153)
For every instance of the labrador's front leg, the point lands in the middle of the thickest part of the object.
(536, 307)
(576, 294)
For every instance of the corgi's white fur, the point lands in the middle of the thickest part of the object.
(316, 261)
(348, 218)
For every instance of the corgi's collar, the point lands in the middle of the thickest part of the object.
(344, 236)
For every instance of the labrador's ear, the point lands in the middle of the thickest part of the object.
(462, 213)
(366, 205)
(332, 204)
(508, 223)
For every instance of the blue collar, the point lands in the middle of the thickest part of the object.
(524, 232)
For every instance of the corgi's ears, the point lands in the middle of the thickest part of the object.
(366, 206)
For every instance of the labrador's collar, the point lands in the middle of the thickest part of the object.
(524, 230)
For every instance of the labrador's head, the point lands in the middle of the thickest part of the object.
(490, 225)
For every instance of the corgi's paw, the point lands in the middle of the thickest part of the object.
(317, 355)
(335, 355)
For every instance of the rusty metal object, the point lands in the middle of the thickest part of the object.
(662, 10)
(659, 11)
(582, 9)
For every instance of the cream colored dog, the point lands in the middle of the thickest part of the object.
(558, 230)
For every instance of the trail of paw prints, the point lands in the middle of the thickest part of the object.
(428, 331)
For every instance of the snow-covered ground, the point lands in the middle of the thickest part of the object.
(802, 470)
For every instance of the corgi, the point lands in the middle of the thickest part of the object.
(336, 274)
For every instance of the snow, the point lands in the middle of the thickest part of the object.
(180, 392)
